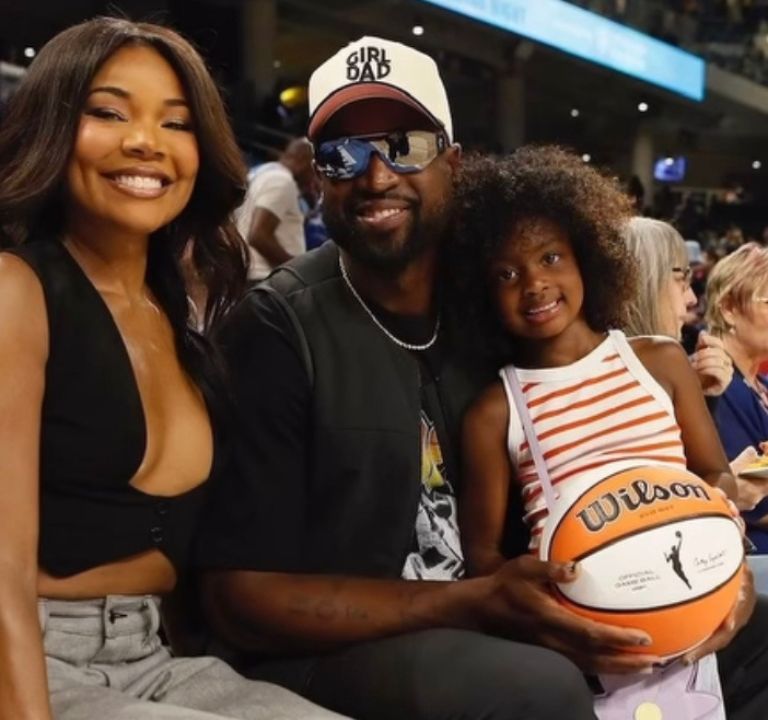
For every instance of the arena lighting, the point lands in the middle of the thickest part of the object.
(593, 38)
(294, 96)
(29, 52)
(575, 112)
(643, 107)
(417, 29)
(586, 157)
(756, 164)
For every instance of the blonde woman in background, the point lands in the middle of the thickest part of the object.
(737, 313)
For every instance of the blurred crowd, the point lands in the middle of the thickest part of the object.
(714, 225)
(730, 33)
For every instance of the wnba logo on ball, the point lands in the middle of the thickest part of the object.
(609, 506)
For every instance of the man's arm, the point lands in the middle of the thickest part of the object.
(261, 236)
(280, 613)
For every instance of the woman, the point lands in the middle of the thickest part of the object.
(664, 297)
(115, 152)
(737, 312)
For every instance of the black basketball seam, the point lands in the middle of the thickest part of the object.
(598, 548)
(654, 608)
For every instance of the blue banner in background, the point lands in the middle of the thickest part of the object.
(593, 38)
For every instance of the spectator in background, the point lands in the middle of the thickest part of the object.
(664, 297)
(737, 312)
(636, 192)
(731, 240)
(272, 218)
(315, 231)
(690, 218)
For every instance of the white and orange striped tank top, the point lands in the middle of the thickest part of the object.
(605, 408)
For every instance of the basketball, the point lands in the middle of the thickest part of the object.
(658, 550)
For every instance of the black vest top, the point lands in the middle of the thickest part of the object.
(93, 435)
(365, 476)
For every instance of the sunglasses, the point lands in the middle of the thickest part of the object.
(403, 152)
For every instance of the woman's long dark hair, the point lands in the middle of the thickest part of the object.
(37, 137)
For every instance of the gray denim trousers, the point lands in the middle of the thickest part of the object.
(105, 661)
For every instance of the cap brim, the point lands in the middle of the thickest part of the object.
(362, 91)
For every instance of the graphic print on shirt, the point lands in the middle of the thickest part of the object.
(437, 548)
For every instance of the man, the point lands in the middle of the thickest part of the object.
(328, 541)
(271, 218)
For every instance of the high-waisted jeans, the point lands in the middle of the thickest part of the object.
(105, 661)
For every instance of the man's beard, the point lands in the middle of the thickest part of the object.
(375, 252)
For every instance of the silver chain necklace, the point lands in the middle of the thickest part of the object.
(377, 322)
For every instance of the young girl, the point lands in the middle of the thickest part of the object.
(540, 231)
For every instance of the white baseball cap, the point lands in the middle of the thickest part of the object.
(372, 67)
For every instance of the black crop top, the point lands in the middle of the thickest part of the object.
(93, 435)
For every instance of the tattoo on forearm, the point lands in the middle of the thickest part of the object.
(326, 608)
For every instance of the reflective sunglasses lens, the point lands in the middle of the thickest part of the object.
(343, 159)
(409, 152)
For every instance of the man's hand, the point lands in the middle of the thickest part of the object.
(520, 604)
(736, 620)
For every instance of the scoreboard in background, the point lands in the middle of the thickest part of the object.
(593, 38)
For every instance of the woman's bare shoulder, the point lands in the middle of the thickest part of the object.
(665, 359)
(22, 302)
(17, 275)
(657, 348)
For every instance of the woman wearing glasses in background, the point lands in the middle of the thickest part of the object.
(664, 298)
(737, 313)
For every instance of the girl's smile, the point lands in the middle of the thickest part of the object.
(543, 313)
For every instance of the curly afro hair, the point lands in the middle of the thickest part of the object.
(494, 195)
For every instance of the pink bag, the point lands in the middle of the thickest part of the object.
(673, 692)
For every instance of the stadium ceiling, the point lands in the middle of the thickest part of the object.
(607, 94)
(309, 30)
